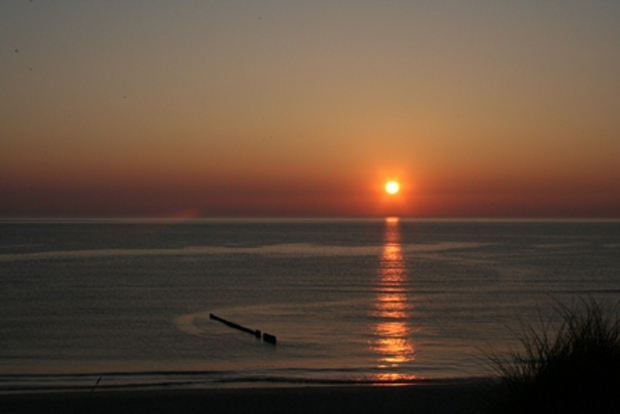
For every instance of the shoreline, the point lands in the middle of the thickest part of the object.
(447, 397)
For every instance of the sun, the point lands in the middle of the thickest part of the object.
(392, 187)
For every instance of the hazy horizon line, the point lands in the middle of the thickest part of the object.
(172, 219)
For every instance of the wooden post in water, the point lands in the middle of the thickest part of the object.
(270, 339)
(256, 332)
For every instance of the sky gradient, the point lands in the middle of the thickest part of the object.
(297, 108)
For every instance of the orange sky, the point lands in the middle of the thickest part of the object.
(308, 108)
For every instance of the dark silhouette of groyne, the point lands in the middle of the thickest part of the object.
(271, 339)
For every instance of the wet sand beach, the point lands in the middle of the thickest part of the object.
(424, 398)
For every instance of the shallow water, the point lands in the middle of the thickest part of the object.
(350, 301)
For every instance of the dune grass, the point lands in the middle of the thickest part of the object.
(570, 367)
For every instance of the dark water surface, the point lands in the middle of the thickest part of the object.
(350, 301)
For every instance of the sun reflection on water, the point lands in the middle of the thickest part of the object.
(392, 342)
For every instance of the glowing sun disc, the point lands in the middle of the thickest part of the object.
(392, 187)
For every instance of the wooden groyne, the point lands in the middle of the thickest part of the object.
(271, 339)
(254, 332)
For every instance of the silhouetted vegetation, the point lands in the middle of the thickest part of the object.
(570, 367)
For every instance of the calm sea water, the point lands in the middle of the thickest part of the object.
(351, 302)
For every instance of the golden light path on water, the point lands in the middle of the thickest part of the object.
(393, 342)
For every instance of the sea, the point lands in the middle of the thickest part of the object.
(128, 304)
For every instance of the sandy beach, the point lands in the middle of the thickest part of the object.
(424, 398)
